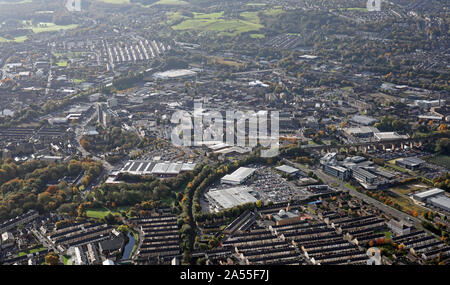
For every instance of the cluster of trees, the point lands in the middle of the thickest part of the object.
(38, 185)
(127, 81)
(140, 188)
(443, 182)
(437, 229)
(51, 259)
(443, 146)
(391, 124)
(110, 139)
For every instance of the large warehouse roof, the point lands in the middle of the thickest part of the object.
(389, 136)
(142, 167)
(174, 73)
(442, 202)
(228, 198)
(428, 193)
(238, 176)
(287, 169)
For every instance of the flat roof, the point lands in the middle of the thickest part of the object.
(412, 160)
(238, 149)
(174, 73)
(362, 130)
(428, 193)
(154, 167)
(174, 168)
(287, 169)
(441, 201)
(228, 198)
(239, 175)
(161, 168)
(338, 168)
(218, 146)
(188, 166)
(389, 136)
(365, 173)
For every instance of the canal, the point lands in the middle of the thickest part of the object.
(129, 246)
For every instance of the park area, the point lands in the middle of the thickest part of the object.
(100, 213)
(220, 23)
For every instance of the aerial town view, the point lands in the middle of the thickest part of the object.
(225, 132)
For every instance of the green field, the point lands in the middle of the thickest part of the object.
(17, 39)
(62, 63)
(217, 23)
(357, 9)
(67, 260)
(51, 27)
(441, 160)
(100, 213)
(257, 36)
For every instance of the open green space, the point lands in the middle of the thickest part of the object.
(406, 204)
(216, 22)
(257, 36)
(22, 253)
(357, 9)
(99, 213)
(409, 188)
(62, 63)
(51, 27)
(16, 39)
(67, 260)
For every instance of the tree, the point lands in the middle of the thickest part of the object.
(124, 229)
(52, 259)
(443, 146)
(442, 127)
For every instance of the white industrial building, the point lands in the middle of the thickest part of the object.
(389, 136)
(238, 176)
(143, 167)
(174, 74)
(287, 169)
(423, 196)
(441, 202)
(230, 197)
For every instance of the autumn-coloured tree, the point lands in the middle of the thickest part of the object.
(442, 127)
(51, 259)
